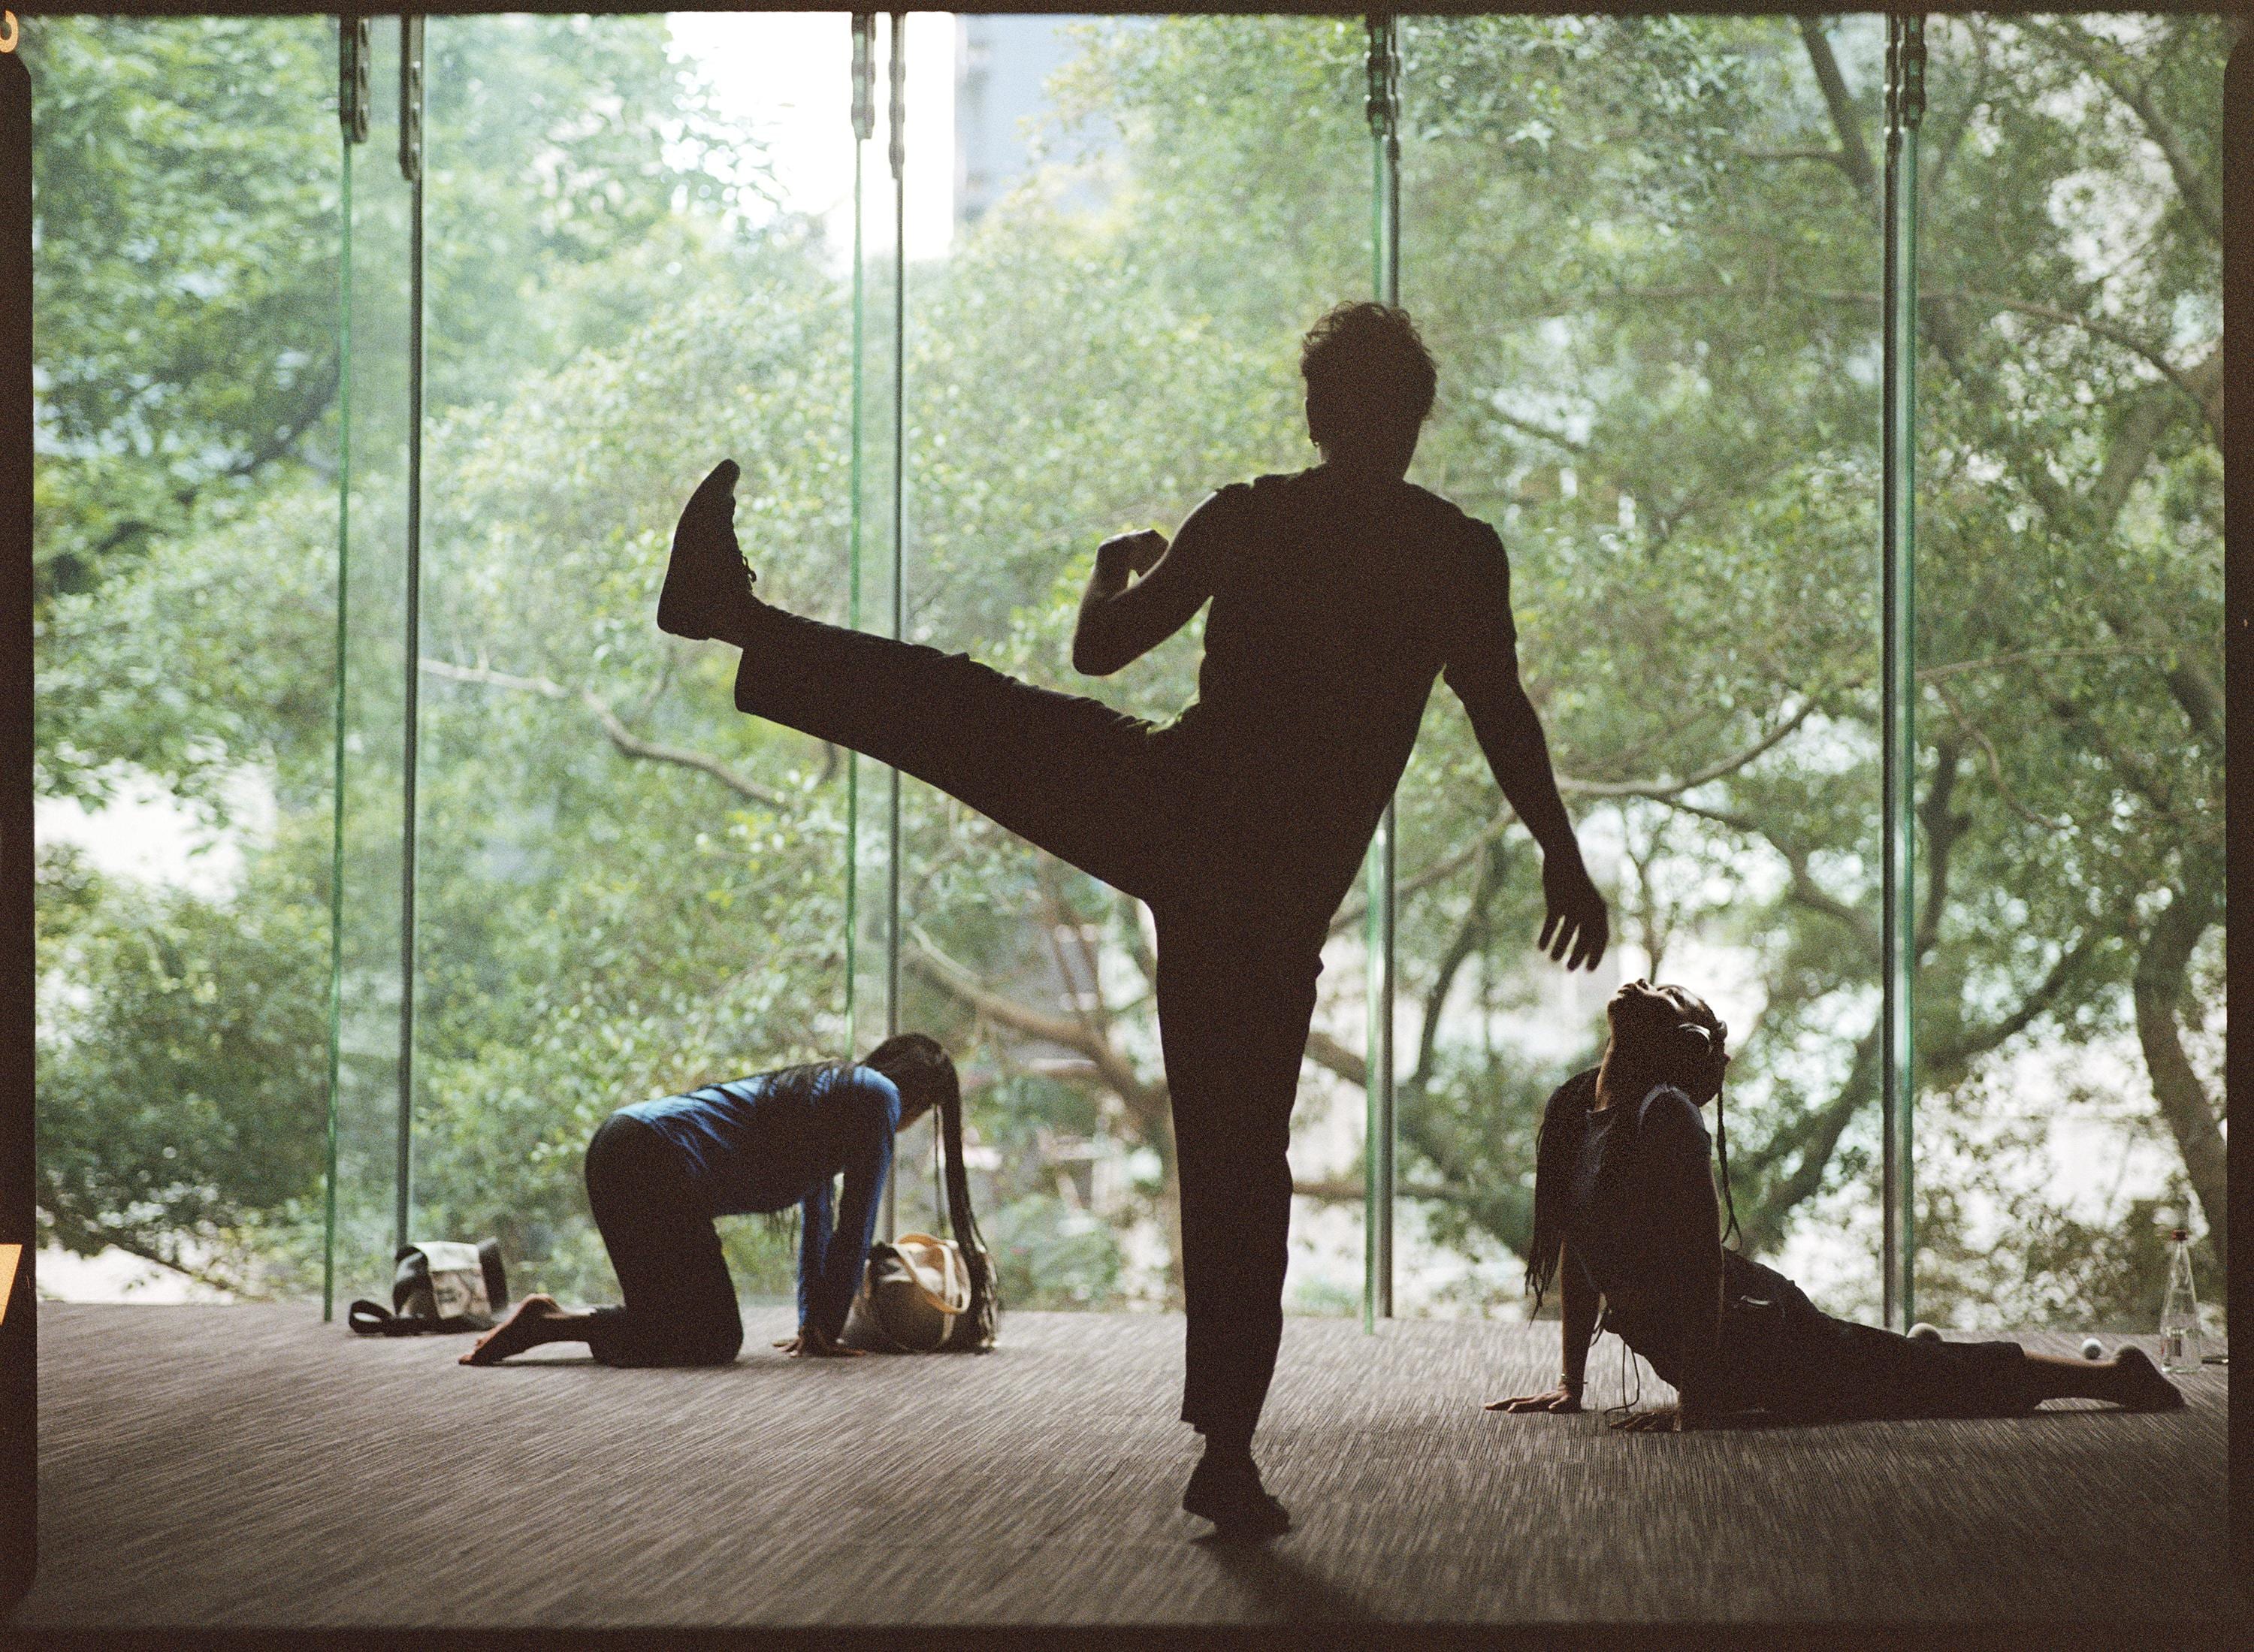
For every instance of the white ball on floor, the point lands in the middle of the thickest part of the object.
(1924, 1332)
(2092, 1348)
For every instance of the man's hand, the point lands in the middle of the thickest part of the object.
(1667, 1419)
(810, 1344)
(1125, 554)
(1561, 1400)
(1576, 931)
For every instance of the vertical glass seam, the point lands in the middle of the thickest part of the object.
(1382, 108)
(337, 800)
(410, 110)
(863, 26)
(897, 153)
(1905, 102)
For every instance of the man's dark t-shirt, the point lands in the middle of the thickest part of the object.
(1336, 603)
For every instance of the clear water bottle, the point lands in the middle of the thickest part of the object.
(2179, 1309)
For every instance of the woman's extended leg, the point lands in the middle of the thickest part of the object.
(1068, 773)
(1835, 1370)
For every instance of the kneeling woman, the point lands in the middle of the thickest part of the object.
(659, 1171)
(1624, 1208)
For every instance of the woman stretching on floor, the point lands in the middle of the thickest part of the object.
(659, 1171)
(1624, 1207)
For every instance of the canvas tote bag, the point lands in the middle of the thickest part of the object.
(916, 1297)
(440, 1284)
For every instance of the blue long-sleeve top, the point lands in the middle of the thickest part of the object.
(752, 1145)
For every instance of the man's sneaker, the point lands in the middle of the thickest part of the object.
(1226, 1489)
(706, 581)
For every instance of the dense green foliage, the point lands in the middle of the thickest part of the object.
(1647, 256)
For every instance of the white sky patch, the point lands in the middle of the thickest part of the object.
(145, 833)
(788, 78)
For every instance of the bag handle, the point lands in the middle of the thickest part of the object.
(373, 1319)
(950, 1260)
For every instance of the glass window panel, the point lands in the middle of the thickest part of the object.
(373, 559)
(1646, 255)
(185, 330)
(1114, 334)
(627, 889)
(2070, 582)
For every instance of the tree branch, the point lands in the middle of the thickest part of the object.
(1995, 763)
(1070, 1032)
(621, 736)
(1540, 432)
(1854, 154)
(1714, 771)
(2183, 1101)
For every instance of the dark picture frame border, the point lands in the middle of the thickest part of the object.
(18, 1325)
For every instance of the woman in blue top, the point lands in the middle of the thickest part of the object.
(659, 1171)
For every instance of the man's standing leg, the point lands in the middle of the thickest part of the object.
(1233, 1004)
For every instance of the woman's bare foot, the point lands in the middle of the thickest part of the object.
(2142, 1386)
(536, 1320)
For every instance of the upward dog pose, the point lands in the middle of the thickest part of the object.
(1624, 1215)
(1339, 594)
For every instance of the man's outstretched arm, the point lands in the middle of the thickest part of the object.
(1143, 589)
(1483, 670)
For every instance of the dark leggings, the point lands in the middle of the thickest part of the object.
(1236, 963)
(680, 1303)
(1789, 1357)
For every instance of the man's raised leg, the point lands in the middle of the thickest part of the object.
(1068, 773)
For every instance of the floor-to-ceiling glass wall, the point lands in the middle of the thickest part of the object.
(626, 889)
(1648, 255)
(372, 1126)
(2070, 988)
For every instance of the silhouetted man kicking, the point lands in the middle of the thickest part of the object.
(1337, 595)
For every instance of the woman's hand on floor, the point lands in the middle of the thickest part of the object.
(810, 1344)
(1562, 1400)
(1667, 1419)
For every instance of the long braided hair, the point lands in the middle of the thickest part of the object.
(919, 1065)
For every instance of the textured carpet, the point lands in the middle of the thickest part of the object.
(250, 1467)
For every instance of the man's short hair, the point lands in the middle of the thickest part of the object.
(1367, 370)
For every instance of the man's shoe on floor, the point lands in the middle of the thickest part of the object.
(708, 589)
(1226, 1489)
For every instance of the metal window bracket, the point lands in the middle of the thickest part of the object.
(1383, 106)
(351, 78)
(411, 99)
(865, 74)
(899, 88)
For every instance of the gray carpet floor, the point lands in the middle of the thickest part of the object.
(248, 1466)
